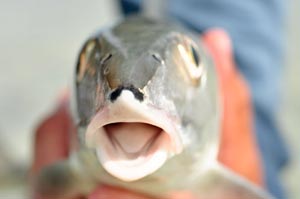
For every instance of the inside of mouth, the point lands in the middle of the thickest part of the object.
(130, 151)
(132, 140)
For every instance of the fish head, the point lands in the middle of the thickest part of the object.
(145, 95)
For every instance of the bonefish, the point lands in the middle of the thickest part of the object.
(147, 109)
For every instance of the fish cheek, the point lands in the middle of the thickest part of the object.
(85, 100)
(87, 60)
(87, 80)
(187, 55)
(111, 74)
(175, 82)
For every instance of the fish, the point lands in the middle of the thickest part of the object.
(148, 112)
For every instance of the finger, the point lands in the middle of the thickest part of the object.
(108, 192)
(238, 148)
(52, 137)
(219, 46)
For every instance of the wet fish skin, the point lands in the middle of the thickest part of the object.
(167, 86)
(155, 66)
(145, 55)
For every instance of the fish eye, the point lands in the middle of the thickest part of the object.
(192, 62)
(195, 55)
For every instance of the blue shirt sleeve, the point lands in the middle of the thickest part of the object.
(130, 6)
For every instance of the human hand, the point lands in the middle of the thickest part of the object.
(238, 148)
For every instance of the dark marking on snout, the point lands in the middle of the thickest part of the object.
(117, 92)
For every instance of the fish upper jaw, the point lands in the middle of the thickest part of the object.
(133, 139)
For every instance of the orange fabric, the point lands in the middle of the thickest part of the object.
(238, 149)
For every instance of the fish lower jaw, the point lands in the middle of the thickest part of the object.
(132, 170)
(133, 163)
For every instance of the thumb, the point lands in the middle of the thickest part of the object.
(108, 192)
(52, 136)
(238, 149)
(218, 43)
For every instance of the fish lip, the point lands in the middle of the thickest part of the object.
(141, 114)
(153, 117)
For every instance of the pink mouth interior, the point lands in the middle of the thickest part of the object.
(132, 139)
(132, 150)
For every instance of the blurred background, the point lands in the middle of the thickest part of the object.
(39, 43)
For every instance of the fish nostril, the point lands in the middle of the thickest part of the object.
(117, 92)
(137, 93)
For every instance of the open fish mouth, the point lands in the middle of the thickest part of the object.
(133, 150)
(132, 140)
